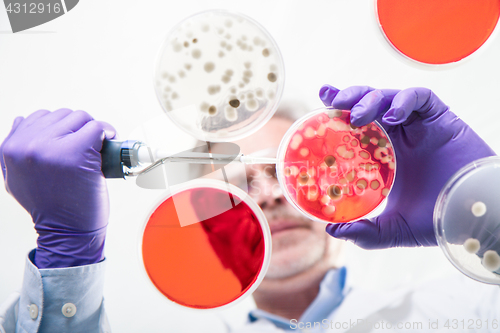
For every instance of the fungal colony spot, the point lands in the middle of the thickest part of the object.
(195, 40)
(247, 65)
(230, 113)
(228, 23)
(365, 140)
(226, 79)
(248, 73)
(177, 47)
(229, 47)
(214, 89)
(472, 245)
(350, 176)
(296, 141)
(221, 54)
(329, 160)
(212, 110)
(491, 260)
(265, 52)
(312, 193)
(304, 151)
(382, 142)
(346, 138)
(478, 209)
(204, 106)
(196, 53)
(251, 105)
(328, 210)
(209, 67)
(303, 178)
(205, 27)
(309, 132)
(186, 44)
(271, 77)
(364, 154)
(175, 95)
(375, 184)
(187, 66)
(345, 153)
(354, 143)
(234, 103)
(334, 192)
(288, 172)
(362, 184)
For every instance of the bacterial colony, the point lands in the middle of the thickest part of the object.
(491, 259)
(219, 74)
(337, 172)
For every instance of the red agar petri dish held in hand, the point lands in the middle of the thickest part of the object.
(217, 255)
(332, 171)
(437, 32)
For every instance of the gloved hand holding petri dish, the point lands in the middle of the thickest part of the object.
(333, 171)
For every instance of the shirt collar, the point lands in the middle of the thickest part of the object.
(331, 294)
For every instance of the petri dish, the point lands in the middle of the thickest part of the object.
(467, 220)
(206, 245)
(332, 171)
(219, 76)
(437, 32)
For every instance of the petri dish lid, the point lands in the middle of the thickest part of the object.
(334, 172)
(206, 245)
(437, 32)
(219, 76)
(467, 220)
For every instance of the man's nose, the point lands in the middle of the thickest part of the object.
(267, 191)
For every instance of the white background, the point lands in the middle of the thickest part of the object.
(99, 57)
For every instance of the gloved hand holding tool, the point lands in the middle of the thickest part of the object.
(51, 165)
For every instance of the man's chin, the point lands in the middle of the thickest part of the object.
(290, 261)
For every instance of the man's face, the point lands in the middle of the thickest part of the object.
(297, 242)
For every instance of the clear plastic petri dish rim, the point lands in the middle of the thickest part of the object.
(470, 184)
(237, 195)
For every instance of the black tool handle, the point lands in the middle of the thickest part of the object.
(117, 154)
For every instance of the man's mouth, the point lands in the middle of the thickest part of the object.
(281, 226)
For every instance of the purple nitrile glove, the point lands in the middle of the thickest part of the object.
(431, 144)
(51, 165)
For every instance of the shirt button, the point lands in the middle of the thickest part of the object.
(68, 310)
(33, 309)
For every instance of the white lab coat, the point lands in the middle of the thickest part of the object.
(456, 305)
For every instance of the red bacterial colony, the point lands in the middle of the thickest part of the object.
(204, 264)
(335, 171)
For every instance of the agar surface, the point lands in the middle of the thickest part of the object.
(218, 73)
(335, 171)
(212, 260)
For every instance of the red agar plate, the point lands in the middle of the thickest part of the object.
(201, 254)
(332, 171)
